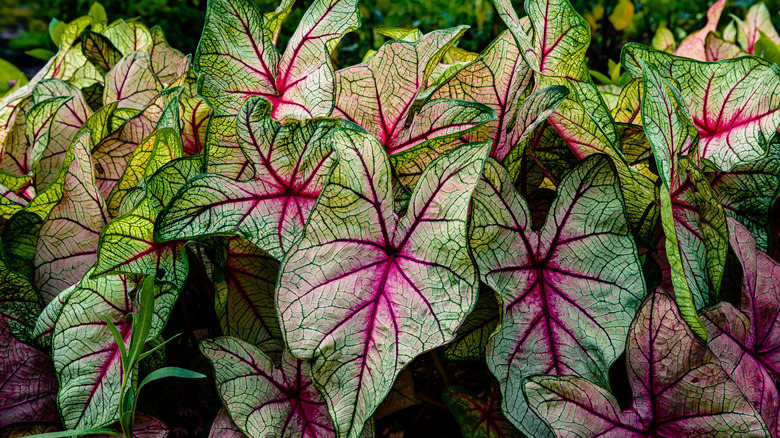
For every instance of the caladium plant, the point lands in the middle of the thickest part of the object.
(339, 246)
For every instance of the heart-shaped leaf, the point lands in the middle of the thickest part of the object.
(87, 360)
(679, 388)
(734, 121)
(165, 59)
(67, 241)
(397, 275)
(718, 49)
(129, 36)
(291, 161)
(569, 291)
(264, 400)
(757, 21)
(195, 115)
(28, 389)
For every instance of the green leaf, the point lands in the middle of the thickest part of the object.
(56, 28)
(170, 372)
(479, 417)
(20, 303)
(79, 432)
(98, 13)
(100, 51)
(474, 335)
(42, 54)
(129, 36)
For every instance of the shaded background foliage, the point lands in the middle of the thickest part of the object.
(25, 25)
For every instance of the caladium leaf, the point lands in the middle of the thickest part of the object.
(569, 290)
(44, 326)
(127, 244)
(629, 104)
(497, 78)
(728, 334)
(291, 161)
(223, 427)
(679, 388)
(759, 300)
(382, 103)
(693, 221)
(479, 418)
(22, 430)
(264, 400)
(734, 121)
(474, 335)
(160, 147)
(68, 238)
(87, 360)
(17, 157)
(757, 21)
(236, 58)
(717, 49)
(112, 154)
(748, 191)
(693, 46)
(29, 387)
(132, 82)
(63, 127)
(99, 50)
(195, 115)
(165, 59)
(401, 274)
(20, 303)
(245, 299)
(129, 36)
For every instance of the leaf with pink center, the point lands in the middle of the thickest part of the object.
(29, 386)
(693, 221)
(236, 59)
(264, 400)
(760, 297)
(17, 152)
(132, 82)
(693, 46)
(735, 121)
(379, 94)
(728, 334)
(127, 244)
(87, 360)
(479, 417)
(245, 295)
(290, 162)
(67, 241)
(223, 427)
(399, 277)
(112, 154)
(679, 388)
(569, 290)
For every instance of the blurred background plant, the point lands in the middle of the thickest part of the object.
(28, 29)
